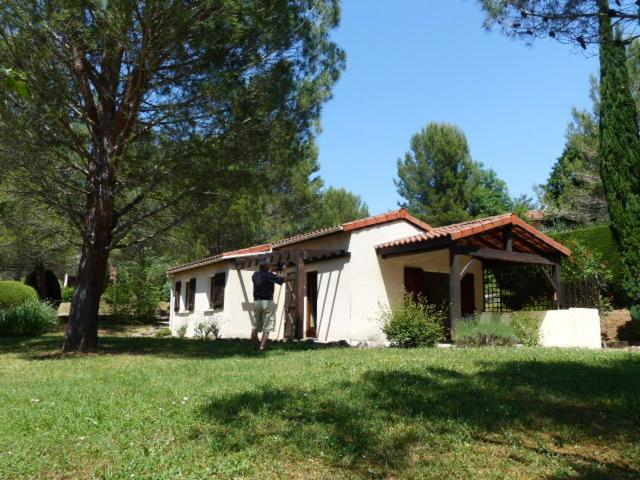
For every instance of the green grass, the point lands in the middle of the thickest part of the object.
(174, 408)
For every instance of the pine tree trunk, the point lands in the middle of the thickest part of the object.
(82, 329)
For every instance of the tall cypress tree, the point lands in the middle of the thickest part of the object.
(620, 151)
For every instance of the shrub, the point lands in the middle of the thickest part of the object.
(15, 293)
(31, 318)
(413, 323)
(182, 331)
(526, 326)
(480, 333)
(204, 330)
(67, 294)
(51, 293)
(163, 332)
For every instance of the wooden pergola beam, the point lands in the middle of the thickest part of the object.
(507, 256)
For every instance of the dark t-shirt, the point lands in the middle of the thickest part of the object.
(263, 284)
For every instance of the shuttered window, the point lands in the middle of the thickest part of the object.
(216, 296)
(191, 294)
(176, 296)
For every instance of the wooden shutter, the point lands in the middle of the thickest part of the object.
(191, 294)
(216, 297)
(176, 296)
(290, 307)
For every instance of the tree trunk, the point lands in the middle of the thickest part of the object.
(82, 329)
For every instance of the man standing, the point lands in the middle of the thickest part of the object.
(264, 311)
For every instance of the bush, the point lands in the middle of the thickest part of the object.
(413, 323)
(526, 326)
(204, 330)
(163, 332)
(483, 333)
(52, 293)
(67, 294)
(15, 293)
(31, 318)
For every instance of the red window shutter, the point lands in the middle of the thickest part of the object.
(176, 296)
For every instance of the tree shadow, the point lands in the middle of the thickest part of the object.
(374, 423)
(48, 347)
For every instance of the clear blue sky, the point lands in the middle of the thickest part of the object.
(410, 62)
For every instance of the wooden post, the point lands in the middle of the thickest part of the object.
(301, 280)
(455, 300)
(507, 238)
(557, 280)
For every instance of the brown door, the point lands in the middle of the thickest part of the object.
(312, 304)
(468, 294)
(413, 281)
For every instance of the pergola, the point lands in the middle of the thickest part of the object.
(504, 238)
(296, 258)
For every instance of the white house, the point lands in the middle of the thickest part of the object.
(350, 272)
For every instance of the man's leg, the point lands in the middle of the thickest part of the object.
(269, 323)
(254, 338)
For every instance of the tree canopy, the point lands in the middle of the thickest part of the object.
(131, 113)
(442, 184)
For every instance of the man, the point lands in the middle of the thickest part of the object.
(264, 311)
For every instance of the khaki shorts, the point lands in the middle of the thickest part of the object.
(264, 316)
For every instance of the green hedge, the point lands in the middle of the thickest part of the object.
(599, 240)
(15, 293)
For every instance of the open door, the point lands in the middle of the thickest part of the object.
(312, 305)
(468, 294)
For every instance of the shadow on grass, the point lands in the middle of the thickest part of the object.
(376, 424)
(48, 347)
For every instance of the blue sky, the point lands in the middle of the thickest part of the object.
(410, 62)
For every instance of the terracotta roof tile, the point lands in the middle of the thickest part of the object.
(401, 214)
(474, 227)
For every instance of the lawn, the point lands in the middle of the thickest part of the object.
(174, 408)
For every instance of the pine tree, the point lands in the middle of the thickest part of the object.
(620, 152)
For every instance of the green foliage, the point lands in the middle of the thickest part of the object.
(181, 332)
(477, 332)
(635, 313)
(14, 293)
(604, 259)
(526, 326)
(30, 318)
(620, 153)
(139, 287)
(413, 323)
(162, 332)
(442, 184)
(336, 206)
(67, 294)
(206, 330)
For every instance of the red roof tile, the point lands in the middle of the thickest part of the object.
(474, 227)
(401, 214)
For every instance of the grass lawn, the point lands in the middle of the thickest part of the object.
(174, 408)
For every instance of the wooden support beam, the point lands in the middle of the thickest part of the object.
(505, 256)
(557, 280)
(455, 299)
(417, 248)
(301, 280)
(507, 238)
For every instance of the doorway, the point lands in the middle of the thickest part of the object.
(468, 295)
(312, 305)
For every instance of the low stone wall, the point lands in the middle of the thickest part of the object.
(575, 327)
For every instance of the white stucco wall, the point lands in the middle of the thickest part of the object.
(350, 290)
(575, 327)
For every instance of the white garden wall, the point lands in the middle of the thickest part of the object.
(575, 327)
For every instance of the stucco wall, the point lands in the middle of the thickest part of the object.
(350, 290)
(575, 327)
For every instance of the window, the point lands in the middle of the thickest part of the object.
(190, 297)
(216, 296)
(176, 296)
